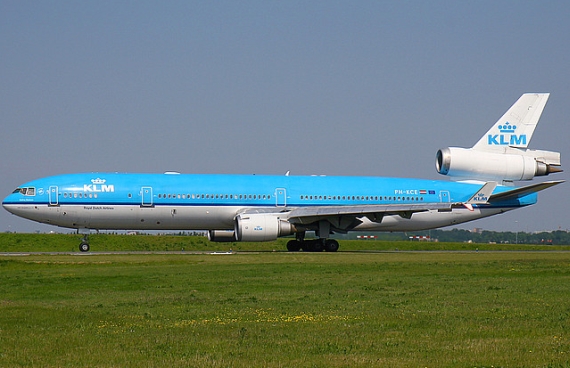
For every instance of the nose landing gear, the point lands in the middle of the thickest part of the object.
(84, 245)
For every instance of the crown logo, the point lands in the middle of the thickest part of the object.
(98, 181)
(507, 128)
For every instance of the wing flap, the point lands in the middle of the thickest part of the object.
(305, 215)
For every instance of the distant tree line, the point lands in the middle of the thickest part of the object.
(558, 237)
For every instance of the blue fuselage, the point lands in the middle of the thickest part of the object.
(202, 202)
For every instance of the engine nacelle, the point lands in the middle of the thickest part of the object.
(511, 164)
(258, 227)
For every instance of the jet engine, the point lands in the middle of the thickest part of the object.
(261, 227)
(508, 164)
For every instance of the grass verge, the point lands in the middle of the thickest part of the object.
(280, 309)
(12, 242)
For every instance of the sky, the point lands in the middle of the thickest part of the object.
(370, 88)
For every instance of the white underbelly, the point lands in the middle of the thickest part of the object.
(113, 217)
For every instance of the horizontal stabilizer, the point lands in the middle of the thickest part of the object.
(523, 191)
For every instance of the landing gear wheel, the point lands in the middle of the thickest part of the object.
(294, 245)
(331, 245)
(319, 245)
(316, 245)
(84, 246)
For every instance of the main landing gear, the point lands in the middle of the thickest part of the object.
(313, 245)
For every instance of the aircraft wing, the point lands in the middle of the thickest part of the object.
(517, 193)
(308, 215)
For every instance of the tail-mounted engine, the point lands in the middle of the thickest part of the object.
(510, 164)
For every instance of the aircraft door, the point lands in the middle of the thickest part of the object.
(146, 193)
(53, 196)
(280, 197)
(444, 196)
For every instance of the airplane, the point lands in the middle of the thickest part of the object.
(256, 208)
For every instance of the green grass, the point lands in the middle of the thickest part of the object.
(12, 242)
(278, 309)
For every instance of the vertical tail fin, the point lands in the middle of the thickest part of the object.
(516, 126)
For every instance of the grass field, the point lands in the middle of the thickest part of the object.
(11, 242)
(279, 309)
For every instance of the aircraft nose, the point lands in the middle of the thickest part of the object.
(5, 203)
(9, 201)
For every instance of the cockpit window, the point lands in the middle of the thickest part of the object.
(31, 191)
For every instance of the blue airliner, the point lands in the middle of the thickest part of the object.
(263, 208)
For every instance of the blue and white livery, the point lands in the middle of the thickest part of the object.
(263, 208)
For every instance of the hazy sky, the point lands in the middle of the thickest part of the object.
(369, 88)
